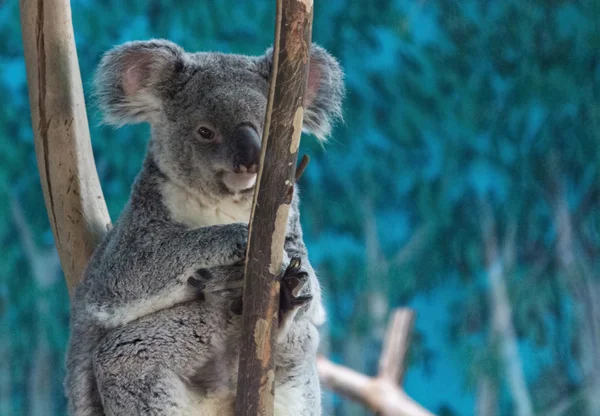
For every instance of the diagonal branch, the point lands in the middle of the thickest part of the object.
(74, 201)
(381, 394)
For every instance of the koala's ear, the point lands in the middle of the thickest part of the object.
(324, 94)
(133, 78)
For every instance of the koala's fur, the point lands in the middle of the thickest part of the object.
(143, 342)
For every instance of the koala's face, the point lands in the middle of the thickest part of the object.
(207, 110)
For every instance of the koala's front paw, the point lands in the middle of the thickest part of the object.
(199, 279)
(293, 280)
(237, 306)
(239, 240)
(218, 279)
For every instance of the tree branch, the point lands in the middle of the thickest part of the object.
(44, 263)
(382, 393)
(395, 349)
(273, 195)
(74, 201)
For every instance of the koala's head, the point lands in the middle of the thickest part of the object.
(207, 110)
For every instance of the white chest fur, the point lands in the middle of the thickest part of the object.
(194, 212)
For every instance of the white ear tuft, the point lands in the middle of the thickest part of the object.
(325, 92)
(127, 82)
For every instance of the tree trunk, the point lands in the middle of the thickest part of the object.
(273, 195)
(74, 201)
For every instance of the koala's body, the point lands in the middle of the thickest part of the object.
(144, 340)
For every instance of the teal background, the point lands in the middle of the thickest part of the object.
(464, 183)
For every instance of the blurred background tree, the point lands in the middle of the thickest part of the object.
(464, 184)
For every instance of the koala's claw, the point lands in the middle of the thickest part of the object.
(200, 278)
(294, 266)
(240, 242)
(300, 301)
(240, 251)
(293, 280)
(237, 306)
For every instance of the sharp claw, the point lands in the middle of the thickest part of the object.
(301, 300)
(294, 266)
(237, 307)
(204, 274)
(196, 283)
(293, 279)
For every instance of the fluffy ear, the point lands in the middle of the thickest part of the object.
(324, 94)
(133, 77)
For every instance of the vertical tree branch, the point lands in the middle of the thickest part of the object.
(395, 348)
(283, 125)
(74, 201)
(502, 325)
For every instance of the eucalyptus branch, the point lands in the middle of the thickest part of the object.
(74, 201)
(272, 199)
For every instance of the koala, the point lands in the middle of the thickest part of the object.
(155, 321)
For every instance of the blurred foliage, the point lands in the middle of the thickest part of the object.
(464, 183)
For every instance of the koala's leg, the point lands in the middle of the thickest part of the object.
(80, 384)
(297, 388)
(149, 366)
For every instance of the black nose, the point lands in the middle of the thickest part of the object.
(246, 147)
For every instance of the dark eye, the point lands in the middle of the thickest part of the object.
(205, 133)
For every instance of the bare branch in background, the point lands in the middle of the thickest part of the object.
(487, 398)
(395, 348)
(579, 277)
(46, 270)
(502, 325)
(382, 393)
(44, 264)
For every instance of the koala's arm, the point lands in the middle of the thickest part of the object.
(137, 273)
(295, 247)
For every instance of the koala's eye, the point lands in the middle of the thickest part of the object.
(206, 134)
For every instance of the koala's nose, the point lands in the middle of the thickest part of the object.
(246, 143)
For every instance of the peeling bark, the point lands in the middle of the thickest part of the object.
(281, 139)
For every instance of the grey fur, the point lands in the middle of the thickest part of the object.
(324, 101)
(143, 342)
